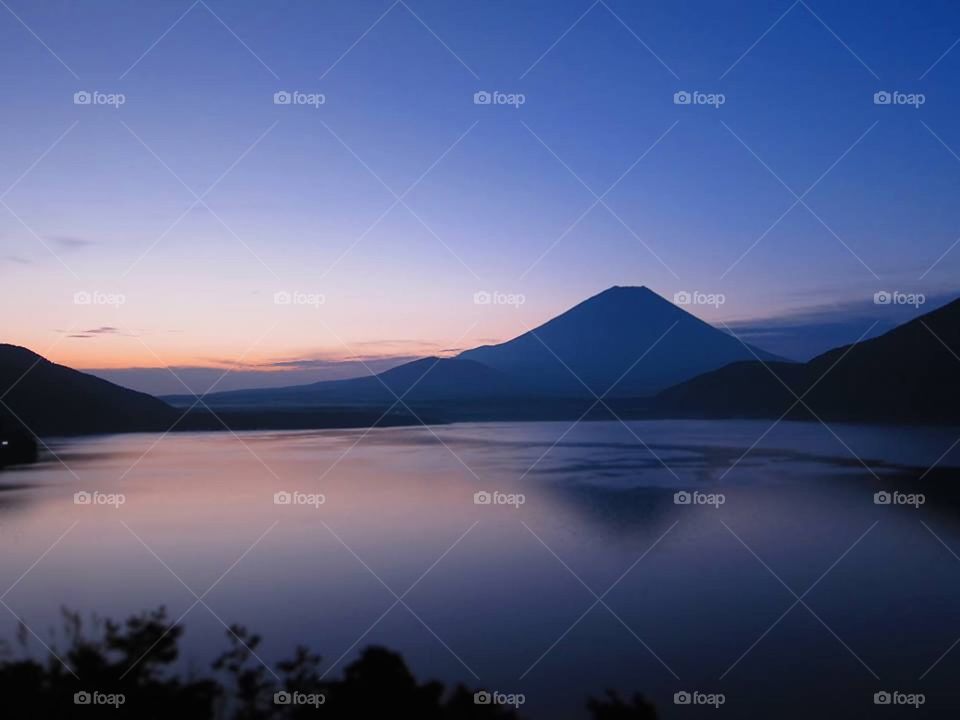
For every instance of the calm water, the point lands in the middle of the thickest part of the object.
(503, 597)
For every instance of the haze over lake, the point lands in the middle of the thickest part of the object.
(501, 592)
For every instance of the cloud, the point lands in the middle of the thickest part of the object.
(324, 364)
(67, 242)
(410, 346)
(95, 332)
(392, 352)
(807, 332)
(312, 363)
(16, 259)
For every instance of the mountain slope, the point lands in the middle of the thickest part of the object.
(51, 399)
(909, 374)
(427, 380)
(602, 338)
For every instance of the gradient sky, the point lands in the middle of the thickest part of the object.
(101, 199)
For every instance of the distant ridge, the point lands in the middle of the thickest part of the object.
(426, 380)
(910, 374)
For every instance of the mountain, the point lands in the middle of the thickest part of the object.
(50, 399)
(910, 374)
(601, 340)
(423, 381)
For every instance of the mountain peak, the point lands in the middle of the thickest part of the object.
(621, 308)
(625, 291)
(626, 339)
(627, 295)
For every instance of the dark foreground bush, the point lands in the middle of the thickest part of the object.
(125, 670)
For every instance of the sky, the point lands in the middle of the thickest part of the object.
(184, 218)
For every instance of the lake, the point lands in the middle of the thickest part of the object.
(576, 568)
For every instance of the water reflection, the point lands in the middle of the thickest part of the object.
(506, 597)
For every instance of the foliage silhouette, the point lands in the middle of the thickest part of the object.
(125, 670)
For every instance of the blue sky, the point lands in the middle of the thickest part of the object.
(505, 197)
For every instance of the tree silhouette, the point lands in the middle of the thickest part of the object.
(125, 670)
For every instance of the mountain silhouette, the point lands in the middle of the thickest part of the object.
(626, 340)
(49, 399)
(907, 375)
(426, 380)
